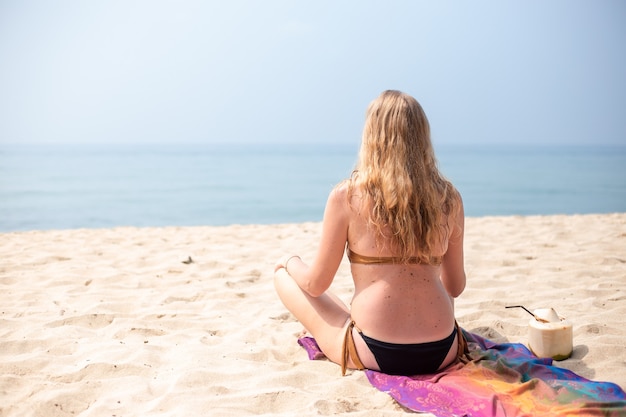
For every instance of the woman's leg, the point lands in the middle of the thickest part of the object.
(325, 317)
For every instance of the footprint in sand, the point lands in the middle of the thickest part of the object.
(92, 321)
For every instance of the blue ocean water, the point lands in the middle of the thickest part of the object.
(95, 186)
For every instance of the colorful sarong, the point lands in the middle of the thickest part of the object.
(502, 379)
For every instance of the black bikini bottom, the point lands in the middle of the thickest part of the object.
(410, 359)
(404, 359)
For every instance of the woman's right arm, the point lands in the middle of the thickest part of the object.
(316, 278)
(452, 266)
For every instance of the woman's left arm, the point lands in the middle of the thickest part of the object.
(452, 268)
(316, 278)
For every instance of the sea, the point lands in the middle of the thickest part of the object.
(44, 187)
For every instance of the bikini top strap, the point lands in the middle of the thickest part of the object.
(357, 258)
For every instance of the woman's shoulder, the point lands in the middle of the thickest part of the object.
(342, 189)
(458, 200)
(452, 197)
(350, 190)
(346, 195)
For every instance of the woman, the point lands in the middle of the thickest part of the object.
(401, 224)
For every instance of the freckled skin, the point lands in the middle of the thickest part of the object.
(392, 303)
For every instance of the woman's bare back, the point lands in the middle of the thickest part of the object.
(396, 303)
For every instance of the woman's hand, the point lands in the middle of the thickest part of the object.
(283, 261)
(280, 263)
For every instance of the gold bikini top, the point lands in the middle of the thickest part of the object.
(356, 258)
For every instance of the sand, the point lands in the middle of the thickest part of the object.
(185, 321)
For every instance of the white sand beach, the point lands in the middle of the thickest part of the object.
(185, 322)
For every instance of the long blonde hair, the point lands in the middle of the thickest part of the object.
(397, 173)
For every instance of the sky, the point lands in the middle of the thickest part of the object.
(531, 72)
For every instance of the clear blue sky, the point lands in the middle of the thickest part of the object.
(290, 71)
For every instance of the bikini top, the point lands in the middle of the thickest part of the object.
(356, 258)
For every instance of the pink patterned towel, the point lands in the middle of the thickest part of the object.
(503, 379)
